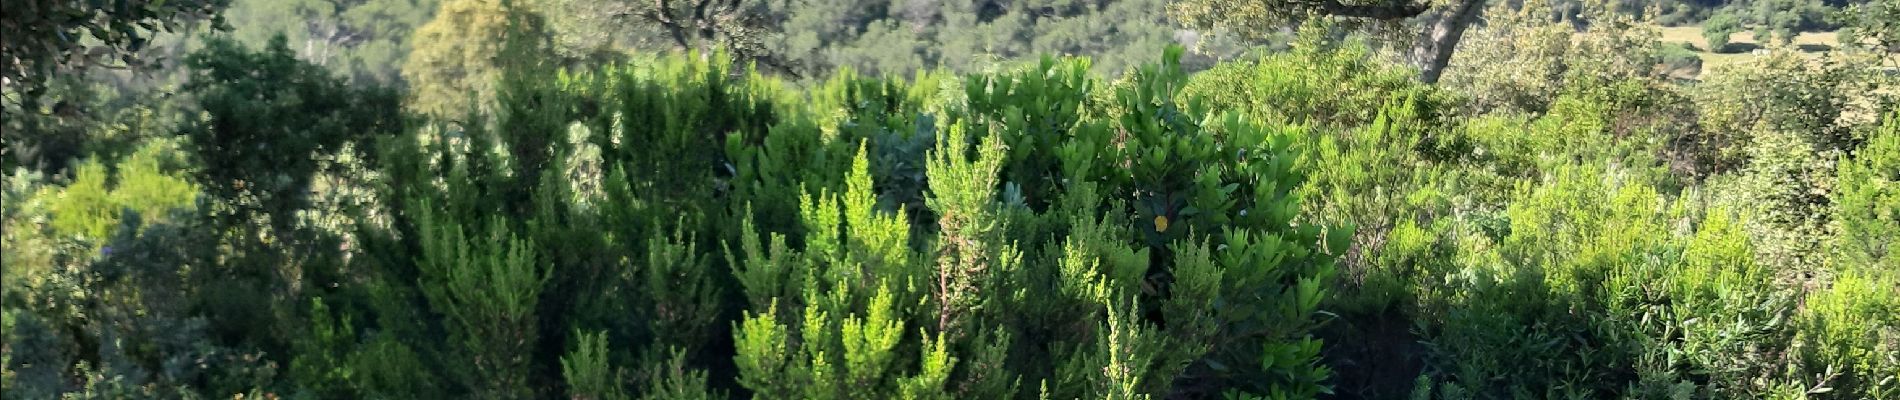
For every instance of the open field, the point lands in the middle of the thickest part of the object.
(1742, 44)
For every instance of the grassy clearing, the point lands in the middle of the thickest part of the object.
(1743, 43)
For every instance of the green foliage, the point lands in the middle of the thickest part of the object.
(1864, 208)
(1377, 159)
(679, 297)
(1842, 94)
(457, 58)
(1872, 25)
(268, 130)
(1228, 184)
(1117, 35)
(1522, 59)
(1726, 308)
(270, 122)
(84, 208)
(1255, 18)
(816, 39)
(616, 237)
(682, 227)
(1431, 48)
(589, 376)
(384, 367)
(363, 40)
(1030, 110)
(1608, 265)
(1515, 62)
(1849, 327)
(1781, 20)
(121, 320)
(335, 359)
(486, 287)
(46, 38)
(146, 185)
(973, 256)
(838, 353)
(1320, 83)
(1786, 157)
(103, 282)
(1680, 59)
(1717, 29)
(1850, 330)
(80, 117)
(823, 323)
(1591, 280)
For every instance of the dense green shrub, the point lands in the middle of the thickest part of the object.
(1782, 143)
(1320, 83)
(147, 183)
(269, 121)
(1849, 329)
(1871, 25)
(685, 228)
(1597, 285)
(1387, 138)
(1522, 58)
(1680, 59)
(1865, 211)
(82, 116)
(848, 340)
(847, 291)
(1717, 29)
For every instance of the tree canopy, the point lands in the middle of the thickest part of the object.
(961, 199)
(40, 39)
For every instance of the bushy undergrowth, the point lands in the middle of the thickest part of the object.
(1304, 224)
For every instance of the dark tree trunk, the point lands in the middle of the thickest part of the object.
(1382, 12)
(1437, 44)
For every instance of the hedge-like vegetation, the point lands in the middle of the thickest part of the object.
(1304, 224)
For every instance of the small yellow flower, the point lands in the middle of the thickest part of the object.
(1161, 223)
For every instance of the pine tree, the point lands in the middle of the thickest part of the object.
(486, 286)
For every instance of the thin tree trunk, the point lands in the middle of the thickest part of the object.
(1436, 45)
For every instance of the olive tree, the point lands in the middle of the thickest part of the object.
(1256, 18)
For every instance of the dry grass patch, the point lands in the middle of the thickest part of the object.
(1811, 44)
